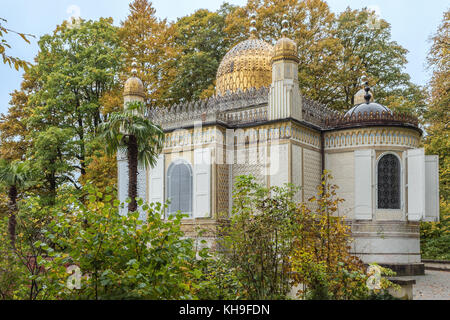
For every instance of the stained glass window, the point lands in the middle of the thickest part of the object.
(389, 182)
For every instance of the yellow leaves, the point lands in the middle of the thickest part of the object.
(323, 244)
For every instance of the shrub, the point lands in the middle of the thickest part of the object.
(118, 257)
(258, 240)
(321, 259)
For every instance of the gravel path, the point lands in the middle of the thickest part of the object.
(434, 285)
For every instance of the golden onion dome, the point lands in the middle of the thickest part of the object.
(134, 87)
(285, 49)
(245, 66)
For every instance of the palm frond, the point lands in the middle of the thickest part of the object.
(129, 122)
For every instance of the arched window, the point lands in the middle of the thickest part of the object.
(179, 187)
(389, 182)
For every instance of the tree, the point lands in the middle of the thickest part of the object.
(15, 176)
(436, 236)
(75, 67)
(437, 115)
(13, 129)
(150, 42)
(368, 52)
(16, 62)
(335, 52)
(201, 41)
(51, 155)
(311, 26)
(101, 171)
(142, 141)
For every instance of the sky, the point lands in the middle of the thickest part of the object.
(412, 22)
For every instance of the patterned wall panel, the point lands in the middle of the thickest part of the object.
(222, 185)
(297, 169)
(312, 172)
(342, 168)
(254, 164)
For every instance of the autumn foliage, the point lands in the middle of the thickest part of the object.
(322, 261)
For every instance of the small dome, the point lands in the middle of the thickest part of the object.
(285, 49)
(364, 98)
(134, 87)
(245, 66)
(367, 107)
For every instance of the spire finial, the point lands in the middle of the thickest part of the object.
(134, 67)
(253, 25)
(368, 96)
(284, 25)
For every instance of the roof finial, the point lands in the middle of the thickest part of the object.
(368, 96)
(285, 26)
(134, 66)
(253, 25)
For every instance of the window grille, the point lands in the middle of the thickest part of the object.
(389, 182)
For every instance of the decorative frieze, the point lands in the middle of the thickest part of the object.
(374, 136)
(262, 133)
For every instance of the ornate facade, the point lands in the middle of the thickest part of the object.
(260, 124)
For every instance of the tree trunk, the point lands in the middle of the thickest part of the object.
(132, 173)
(51, 180)
(12, 215)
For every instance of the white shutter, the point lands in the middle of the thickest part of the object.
(416, 184)
(202, 183)
(432, 188)
(364, 184)
(156, 182)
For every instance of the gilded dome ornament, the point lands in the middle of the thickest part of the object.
(253, 29)
(134, 86)
(247, 65)
(285, 48)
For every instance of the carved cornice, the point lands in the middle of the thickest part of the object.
(251, 106)
(365, 119)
